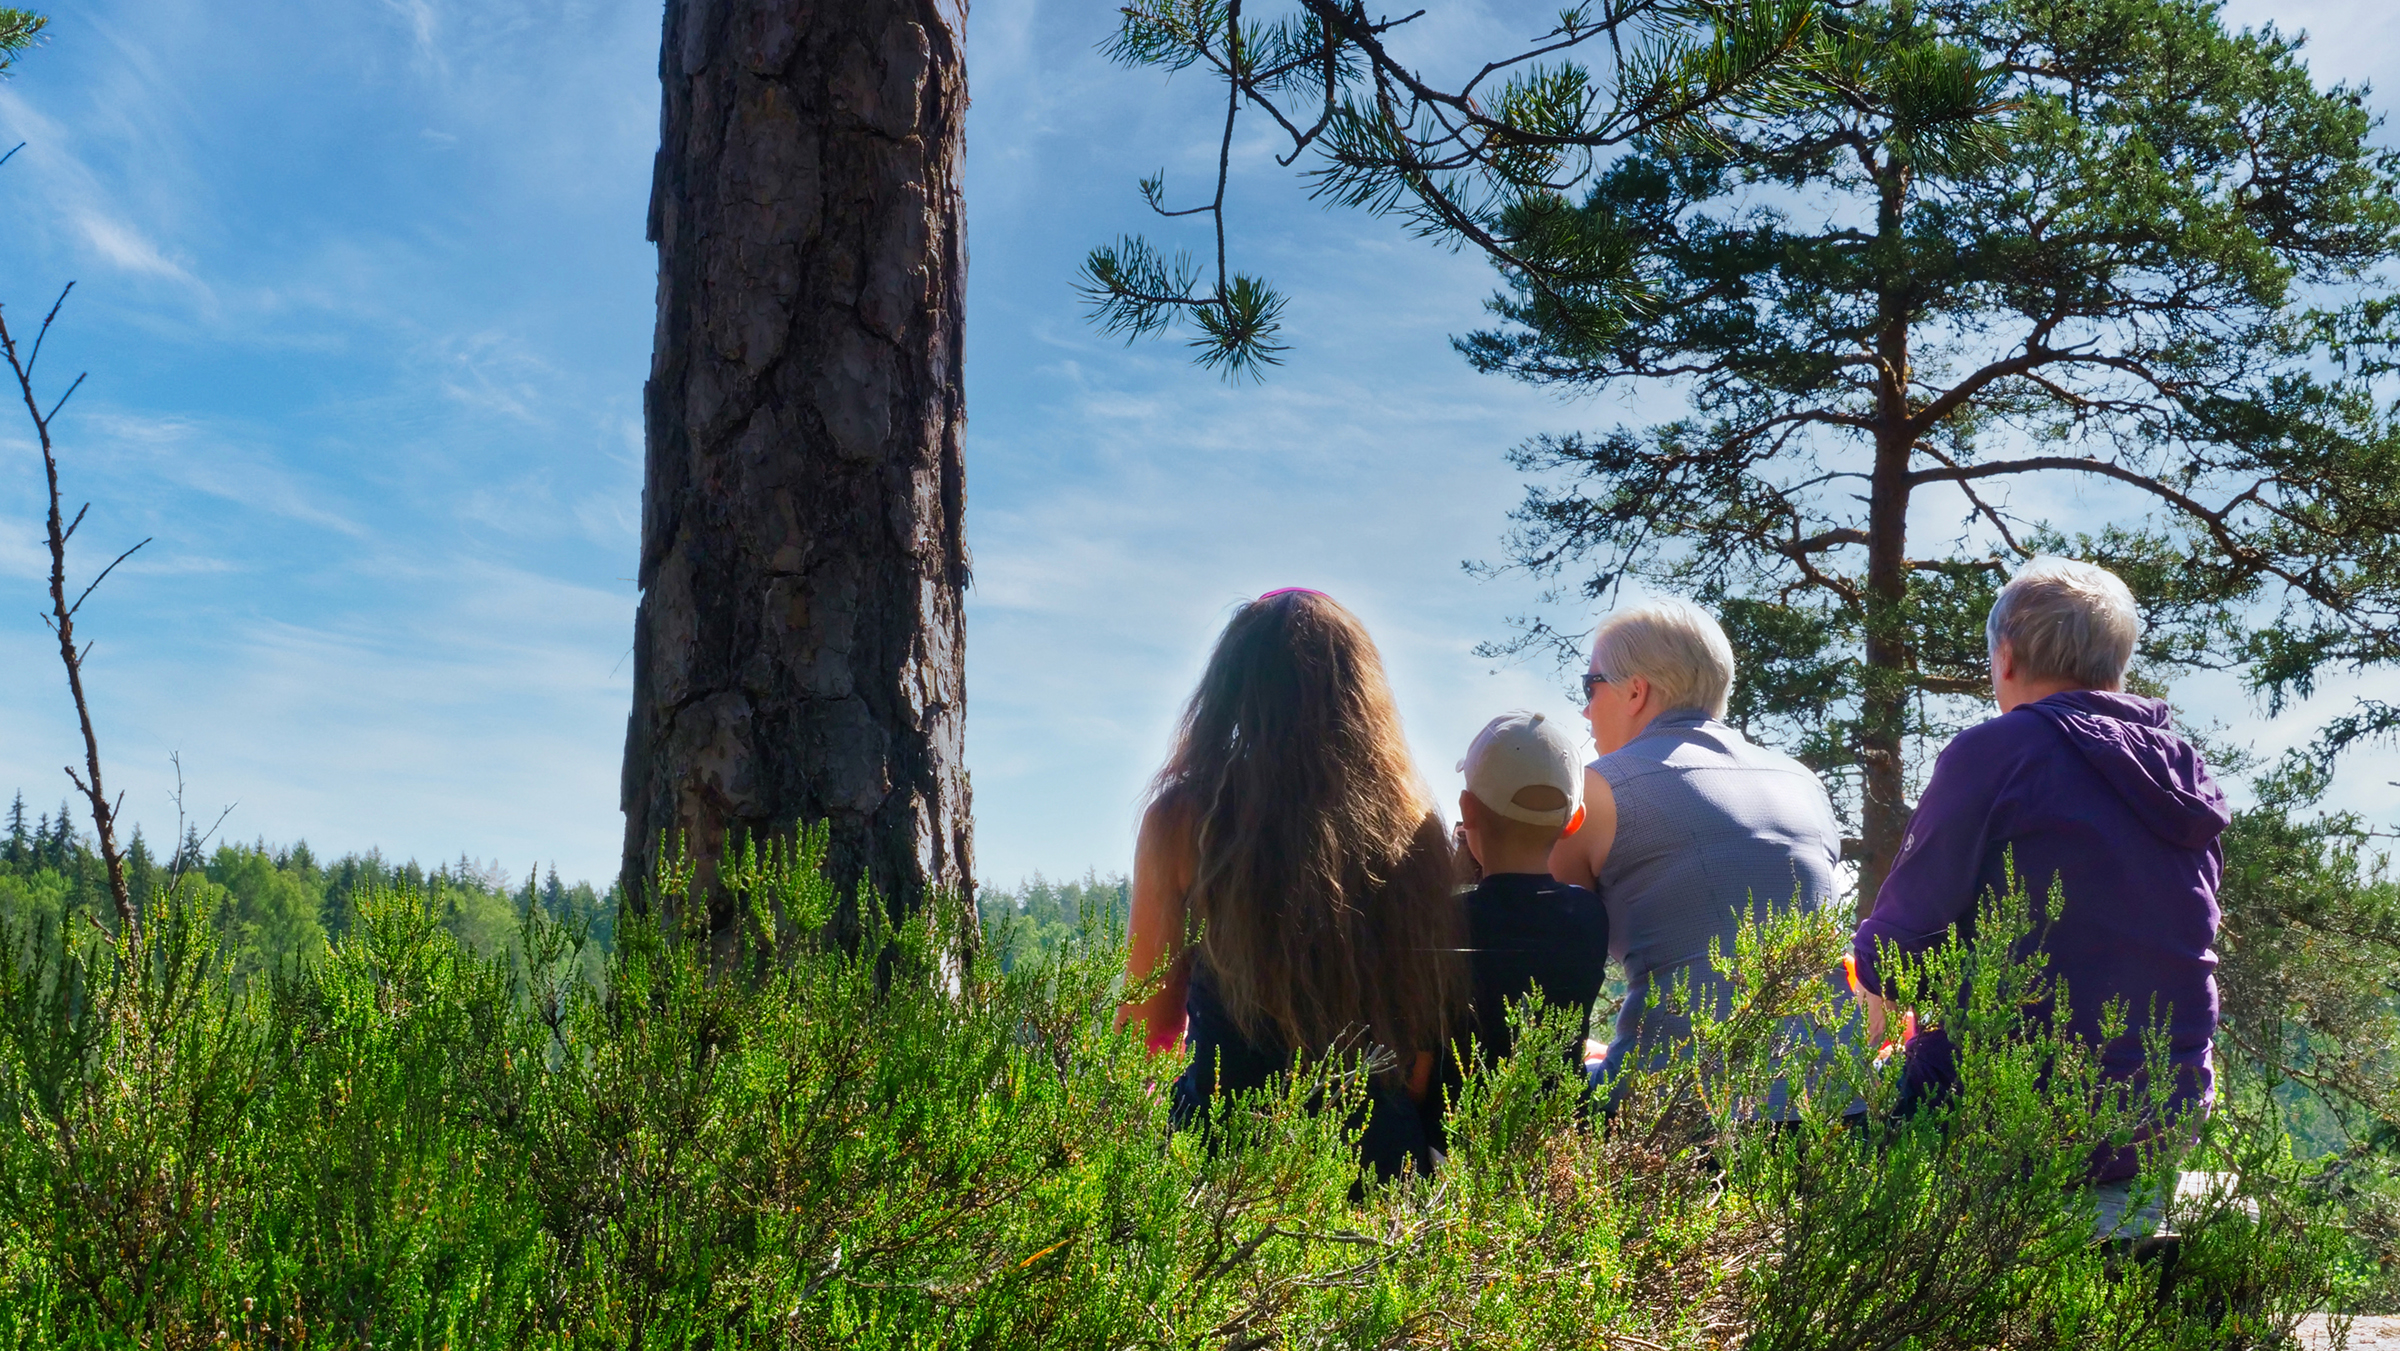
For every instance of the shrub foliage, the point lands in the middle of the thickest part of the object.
(786, 1141)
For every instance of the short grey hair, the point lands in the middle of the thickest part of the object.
(2065, 620)
(1676, 646)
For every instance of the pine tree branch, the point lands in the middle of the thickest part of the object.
(1455, 160)
(1976, 500)
(2242, 552)
(1825, 540)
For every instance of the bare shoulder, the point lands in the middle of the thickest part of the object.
(1168, 825)
(1597, 795)
(1599, 816)
(1164, 856)
(1166, 852)
(1578, 858)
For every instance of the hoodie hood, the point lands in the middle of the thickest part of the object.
(2126, 740)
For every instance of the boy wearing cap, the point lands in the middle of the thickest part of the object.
(1525, 929)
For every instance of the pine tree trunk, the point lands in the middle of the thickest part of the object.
(1884, 700)
(798, 650)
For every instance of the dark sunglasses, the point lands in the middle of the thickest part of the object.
(1592, 680)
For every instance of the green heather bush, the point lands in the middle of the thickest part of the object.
(406, 1142)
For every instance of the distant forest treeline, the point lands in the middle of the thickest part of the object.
(1040, 915)
(274, 903)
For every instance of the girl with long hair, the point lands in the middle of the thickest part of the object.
(1292, 880)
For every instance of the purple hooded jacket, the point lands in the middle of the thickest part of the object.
(2089, 788)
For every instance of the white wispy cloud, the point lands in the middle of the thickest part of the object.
(221, 462)
(422, 21)
(24, 551)
(339, 351)
(124, 246)
(96, 217)
(494, 372)
(485, 721)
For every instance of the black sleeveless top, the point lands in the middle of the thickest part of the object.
(1222, 1058)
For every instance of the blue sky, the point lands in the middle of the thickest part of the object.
(366, 305)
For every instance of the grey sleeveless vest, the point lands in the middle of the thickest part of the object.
(1710, 828)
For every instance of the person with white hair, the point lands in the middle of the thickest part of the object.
(2086, 788)
(1688, 826)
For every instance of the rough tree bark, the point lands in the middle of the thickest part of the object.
(1884, 808)
(798, 648)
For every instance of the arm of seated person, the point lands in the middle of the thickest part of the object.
(1933, 882)
(1879, 1015)
(1163, 865)
(1578, 858)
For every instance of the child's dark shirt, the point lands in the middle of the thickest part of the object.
(1528, 930)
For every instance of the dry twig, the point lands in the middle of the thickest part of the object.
(61, 618)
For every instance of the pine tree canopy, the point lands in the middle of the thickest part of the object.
(1911, 276)
(2101, 243)
(19, 29)
(1452, 162)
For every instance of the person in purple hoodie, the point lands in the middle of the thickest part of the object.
(2086, 786)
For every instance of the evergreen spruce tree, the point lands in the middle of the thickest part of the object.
(141, 870)
(350, 875)
(19, 845)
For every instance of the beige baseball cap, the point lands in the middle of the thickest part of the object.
(1518, 752)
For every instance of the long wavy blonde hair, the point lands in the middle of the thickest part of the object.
(1322, 891)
